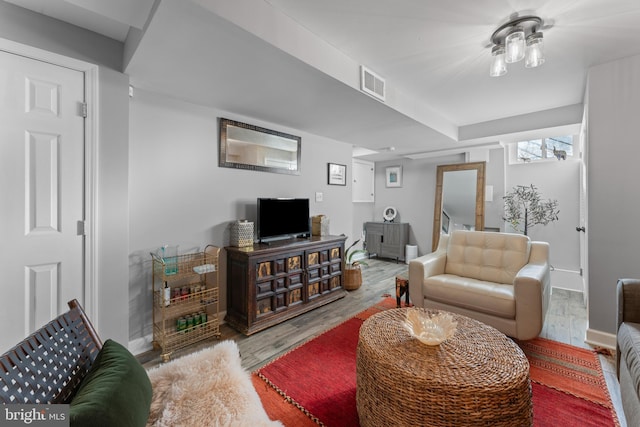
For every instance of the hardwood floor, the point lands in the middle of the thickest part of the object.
(566, 322)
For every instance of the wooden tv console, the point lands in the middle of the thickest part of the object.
(270, 283)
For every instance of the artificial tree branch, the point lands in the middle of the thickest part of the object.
(524, 208)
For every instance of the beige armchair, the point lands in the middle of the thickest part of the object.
(500, 279)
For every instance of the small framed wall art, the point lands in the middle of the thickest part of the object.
(337, 174)
(394, 176)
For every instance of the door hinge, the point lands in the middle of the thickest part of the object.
(80, 227)
(83, 109)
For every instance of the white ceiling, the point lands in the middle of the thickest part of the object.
(438, 49)
(295, 62)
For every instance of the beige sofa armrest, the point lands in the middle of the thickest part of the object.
(539, 253)
(531, 276)
(421, 267)
(531, 291)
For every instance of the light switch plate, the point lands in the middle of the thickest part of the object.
(319, 196)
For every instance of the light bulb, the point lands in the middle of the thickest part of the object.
(535, 52)
(498, 66)
(514, 45)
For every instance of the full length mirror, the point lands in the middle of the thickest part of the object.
(244, 146)
(459, 199)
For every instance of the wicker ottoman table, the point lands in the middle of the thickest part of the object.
(478, 377)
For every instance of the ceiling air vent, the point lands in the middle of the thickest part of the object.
(371, 83)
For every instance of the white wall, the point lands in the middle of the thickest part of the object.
(179, 195)
(560, 180)
(613, 177)
(113, 209)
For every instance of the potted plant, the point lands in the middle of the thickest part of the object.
(524, 208)
(352, 272)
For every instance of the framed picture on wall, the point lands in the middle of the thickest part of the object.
(394, 176)
(337, 174)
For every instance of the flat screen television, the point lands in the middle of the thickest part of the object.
(282, 218)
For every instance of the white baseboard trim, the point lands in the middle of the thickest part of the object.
(567, 279)
(601, 339)
(141, 345)
(144, 344)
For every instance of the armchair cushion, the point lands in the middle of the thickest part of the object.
(473, 294)
(492, 257)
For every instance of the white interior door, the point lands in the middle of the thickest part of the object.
(41, 193)
(363, 188)
(582, 227)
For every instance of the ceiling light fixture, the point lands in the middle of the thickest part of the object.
(514, 41)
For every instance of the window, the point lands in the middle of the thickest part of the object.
(547, 148)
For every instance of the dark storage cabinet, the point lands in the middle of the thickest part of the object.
(386, 239)
(267, 284)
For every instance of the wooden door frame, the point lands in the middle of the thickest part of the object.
(90, 71)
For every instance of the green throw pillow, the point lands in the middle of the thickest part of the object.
(115, 392)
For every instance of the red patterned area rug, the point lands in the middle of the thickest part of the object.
(315, 383)
(568, 385)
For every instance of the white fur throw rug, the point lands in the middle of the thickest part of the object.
(206, 388)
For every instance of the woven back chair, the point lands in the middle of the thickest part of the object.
(48, 366)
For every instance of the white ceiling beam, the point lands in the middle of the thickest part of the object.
(569, 116)
(133, 13)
